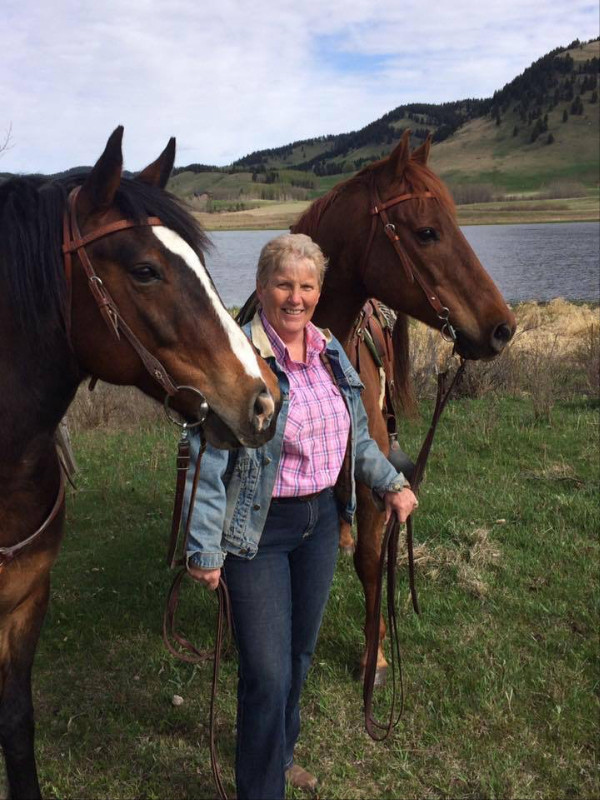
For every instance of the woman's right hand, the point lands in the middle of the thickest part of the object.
(207, 577)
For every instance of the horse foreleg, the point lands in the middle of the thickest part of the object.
(19, 633)
(366, 562)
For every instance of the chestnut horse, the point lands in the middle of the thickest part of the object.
(390, 232)
(135, 307)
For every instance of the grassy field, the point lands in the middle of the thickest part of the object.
(501, 668)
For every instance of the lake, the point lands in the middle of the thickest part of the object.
(527, 262)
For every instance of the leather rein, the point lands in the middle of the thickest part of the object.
(177, 644)
(389, 545)
(7, 554)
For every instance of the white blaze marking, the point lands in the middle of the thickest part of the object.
(239, 343)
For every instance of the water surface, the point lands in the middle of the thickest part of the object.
(528, 262)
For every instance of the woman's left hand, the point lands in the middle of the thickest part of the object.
(402, 504)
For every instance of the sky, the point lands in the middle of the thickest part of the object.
(228, 77)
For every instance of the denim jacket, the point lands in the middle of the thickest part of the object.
(235, 486)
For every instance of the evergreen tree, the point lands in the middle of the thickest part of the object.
(577, 105)
(569, 94)
(537, 129)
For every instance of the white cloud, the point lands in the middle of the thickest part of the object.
(228, 77)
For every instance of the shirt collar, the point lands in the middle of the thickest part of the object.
(315, 341)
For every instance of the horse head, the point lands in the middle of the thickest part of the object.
(436, 277)
(391, 233)
(153, 272)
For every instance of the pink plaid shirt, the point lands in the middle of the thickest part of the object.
(318, 423)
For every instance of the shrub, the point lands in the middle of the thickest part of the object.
(467, 193)
(563, 188)
(587, 358)
(116, 407)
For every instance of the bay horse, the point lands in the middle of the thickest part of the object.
(132, 304)
(390, 233)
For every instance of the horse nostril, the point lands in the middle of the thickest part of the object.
(501, 335)
(264, 408)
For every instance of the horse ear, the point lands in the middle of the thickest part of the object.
(421, 154)
(159, 172)
(101, 184)
(399, 156)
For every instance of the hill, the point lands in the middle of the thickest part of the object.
(540, 129)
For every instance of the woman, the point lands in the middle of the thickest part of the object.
(269, 517)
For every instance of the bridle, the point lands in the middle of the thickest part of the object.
(378, 210)
(74, 242)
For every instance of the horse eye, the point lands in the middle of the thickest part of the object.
(427, 235)
(145, 273)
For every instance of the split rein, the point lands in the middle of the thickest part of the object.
(178, 645)
(389, 545)
(389, 553)
(7, 554)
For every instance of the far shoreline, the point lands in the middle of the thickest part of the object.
(507, 212)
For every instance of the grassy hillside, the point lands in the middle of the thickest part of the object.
(502, 153)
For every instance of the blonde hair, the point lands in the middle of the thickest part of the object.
(289, 247)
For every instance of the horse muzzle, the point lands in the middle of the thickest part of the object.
(489, 345)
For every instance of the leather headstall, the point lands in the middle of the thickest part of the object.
(74, 242)
(378, 210)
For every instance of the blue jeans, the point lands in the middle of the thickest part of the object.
(278, 599)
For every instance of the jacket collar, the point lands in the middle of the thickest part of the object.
(260, 340)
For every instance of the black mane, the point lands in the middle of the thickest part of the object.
(31, 266)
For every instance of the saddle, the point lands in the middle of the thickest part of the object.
(374, 326)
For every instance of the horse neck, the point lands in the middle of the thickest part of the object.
(343, 294)
(340, 302)
(37, 388)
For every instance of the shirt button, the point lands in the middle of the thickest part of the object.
(256, 506)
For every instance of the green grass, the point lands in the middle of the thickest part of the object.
(500, 668)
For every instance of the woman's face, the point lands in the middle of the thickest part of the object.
(290, 296)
